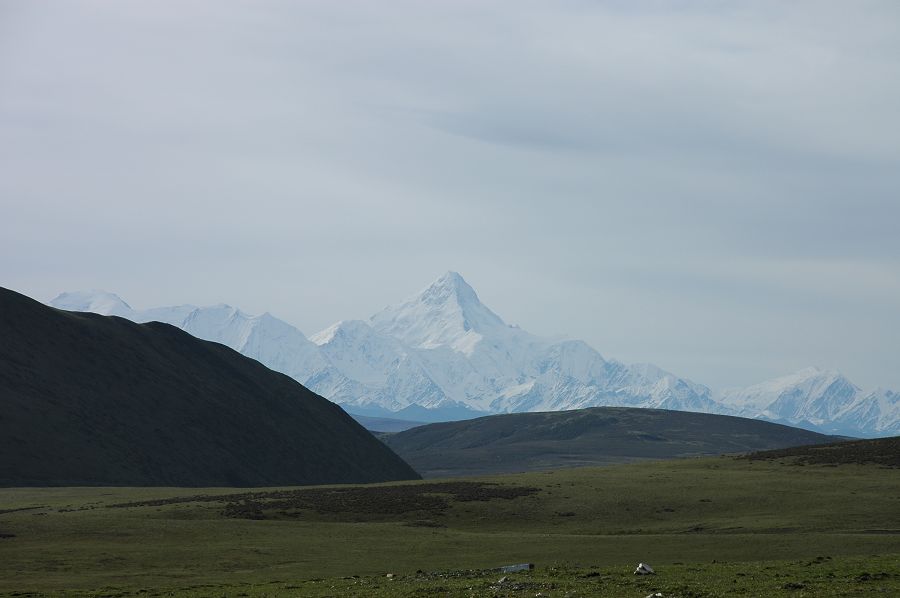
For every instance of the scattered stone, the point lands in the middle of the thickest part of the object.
(390, 576)
(502, 580)
(515, 568)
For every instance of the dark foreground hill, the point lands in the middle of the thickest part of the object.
(96, 400)
(596, 436)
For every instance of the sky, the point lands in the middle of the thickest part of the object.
(713, 187)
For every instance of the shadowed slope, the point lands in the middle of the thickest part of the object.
(95, 400)
(595, 436)
(880, 451)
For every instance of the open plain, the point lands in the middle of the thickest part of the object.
(710, 527)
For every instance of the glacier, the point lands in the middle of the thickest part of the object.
(442, 354)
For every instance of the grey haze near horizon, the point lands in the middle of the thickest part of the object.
(711, 187)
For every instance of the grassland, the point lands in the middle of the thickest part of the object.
(711, 527)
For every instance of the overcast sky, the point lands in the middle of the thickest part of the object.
(710, 186)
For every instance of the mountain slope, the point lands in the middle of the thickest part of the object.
(93, 400)
(596, 436)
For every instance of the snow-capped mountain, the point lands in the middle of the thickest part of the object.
(821, 399)
(98, 302)
(876, 412)
(442, 354)
(369, 370)
(484, 363)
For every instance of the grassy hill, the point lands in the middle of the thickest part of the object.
(597, 436)
(717, 526)
(95, 400)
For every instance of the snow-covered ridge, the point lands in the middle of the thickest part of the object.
(821, 399)
(101, 302)
(445, 351)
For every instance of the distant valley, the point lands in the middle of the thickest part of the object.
(385, 424)
(442, 355)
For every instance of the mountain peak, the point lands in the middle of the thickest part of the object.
(450, 276)
(447, 312)
(451, 279)
(343, 327)
(815, 372)
(809, 371)
(808, 377)
(96, 301)
(450, 286)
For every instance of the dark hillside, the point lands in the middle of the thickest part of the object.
(95, 400)
(595, 436)
(878, 451)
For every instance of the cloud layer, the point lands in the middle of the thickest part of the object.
(714, 187)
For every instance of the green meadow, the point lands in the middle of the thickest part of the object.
(710, 527)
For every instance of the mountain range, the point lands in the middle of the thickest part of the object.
(442, 354)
